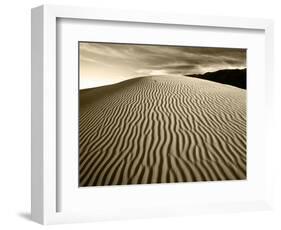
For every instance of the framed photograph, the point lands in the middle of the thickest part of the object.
(141, 114)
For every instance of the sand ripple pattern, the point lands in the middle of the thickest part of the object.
(162, 129)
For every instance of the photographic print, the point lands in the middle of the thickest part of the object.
(161, 114)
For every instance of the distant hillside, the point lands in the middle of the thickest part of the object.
(234, 77)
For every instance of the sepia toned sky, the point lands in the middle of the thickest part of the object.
(108, 63)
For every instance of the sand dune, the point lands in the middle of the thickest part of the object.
(162, 129)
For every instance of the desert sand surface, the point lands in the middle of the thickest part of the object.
(162, 129)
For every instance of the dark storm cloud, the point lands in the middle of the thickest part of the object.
(153, 59)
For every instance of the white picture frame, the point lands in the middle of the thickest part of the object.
(45, 162)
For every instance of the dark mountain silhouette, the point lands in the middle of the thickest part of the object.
(234, 77)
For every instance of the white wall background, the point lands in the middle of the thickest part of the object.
(15, 113)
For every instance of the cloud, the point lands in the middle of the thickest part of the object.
(131, 60)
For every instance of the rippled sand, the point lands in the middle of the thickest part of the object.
(162, 129)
